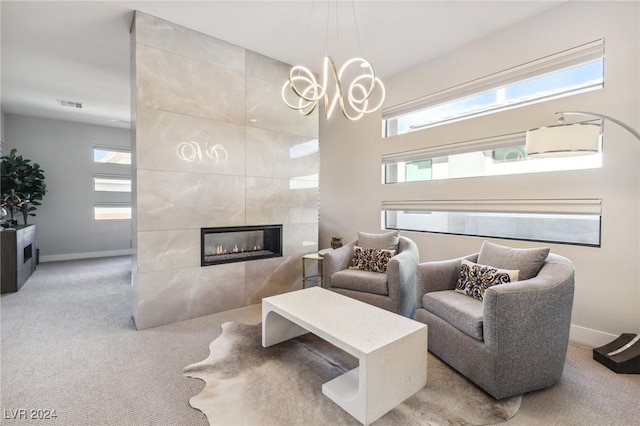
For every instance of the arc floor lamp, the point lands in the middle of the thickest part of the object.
(622, 355)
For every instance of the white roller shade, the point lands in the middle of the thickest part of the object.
(591, 51)
(564, 206)
(494, 142)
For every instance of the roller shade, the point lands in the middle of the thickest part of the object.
(556, 206)
(494, 142)
(587, 52)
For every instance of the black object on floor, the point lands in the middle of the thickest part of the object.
(622, 355)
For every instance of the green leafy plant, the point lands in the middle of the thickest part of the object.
(26, 179)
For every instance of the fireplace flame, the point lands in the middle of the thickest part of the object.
(220, 249)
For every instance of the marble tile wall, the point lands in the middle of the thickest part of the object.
(214, 146)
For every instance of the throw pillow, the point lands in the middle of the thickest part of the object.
(474, 279)
(527, 261)
(368, 259)
(386, 240)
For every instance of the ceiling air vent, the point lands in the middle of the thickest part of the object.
(70, 104)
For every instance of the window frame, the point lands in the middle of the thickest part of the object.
(112, 205)
(493, 143)
(112, 149)
(112, 177)
(579, 55)
(569, 207)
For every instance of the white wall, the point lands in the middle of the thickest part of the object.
(607, 297)
(65, 225)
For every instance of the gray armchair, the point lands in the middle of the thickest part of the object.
(515, 340)
(394, 290)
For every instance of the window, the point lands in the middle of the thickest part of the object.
(111, 155)
(568, 221)
(565, 73)
(574, 222)
(111, 212)
(500, 155)
(111, 184)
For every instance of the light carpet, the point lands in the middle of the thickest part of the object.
(248, 384)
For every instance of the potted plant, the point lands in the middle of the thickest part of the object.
(23, 179)
(336, 242)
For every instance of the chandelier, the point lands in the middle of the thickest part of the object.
(354, 88)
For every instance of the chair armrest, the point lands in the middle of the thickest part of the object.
(336, 260)
(401, 279)
(531, 318)
(440, 275)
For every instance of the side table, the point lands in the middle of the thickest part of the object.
(312, 279)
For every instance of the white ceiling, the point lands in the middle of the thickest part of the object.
(79, 50)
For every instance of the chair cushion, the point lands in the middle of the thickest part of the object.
(374, 260)
(367, 281)
(474, 278)
(527, 261)
(386, 240)
(461, 311)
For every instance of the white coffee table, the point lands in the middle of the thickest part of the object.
(392, 349)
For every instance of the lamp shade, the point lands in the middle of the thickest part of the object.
(563, 140)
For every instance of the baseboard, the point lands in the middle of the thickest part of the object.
(87, 255)
(589, 336)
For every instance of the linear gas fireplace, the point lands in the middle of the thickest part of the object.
(240, 243)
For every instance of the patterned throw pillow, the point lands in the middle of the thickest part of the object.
(474, 278)
(369, 259)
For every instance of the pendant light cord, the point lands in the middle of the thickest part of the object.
(355, 20)
(337, 24)
(302, 55)
(326, 33)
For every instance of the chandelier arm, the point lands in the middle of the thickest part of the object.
(311, 82)
(284, 97)
(594, 114)
(338, 96)
(363, 64)
(366, 108)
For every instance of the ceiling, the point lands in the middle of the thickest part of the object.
(79, 50)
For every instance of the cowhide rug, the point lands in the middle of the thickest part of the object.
(246, 384)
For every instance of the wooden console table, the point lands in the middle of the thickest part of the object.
(18, 257)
